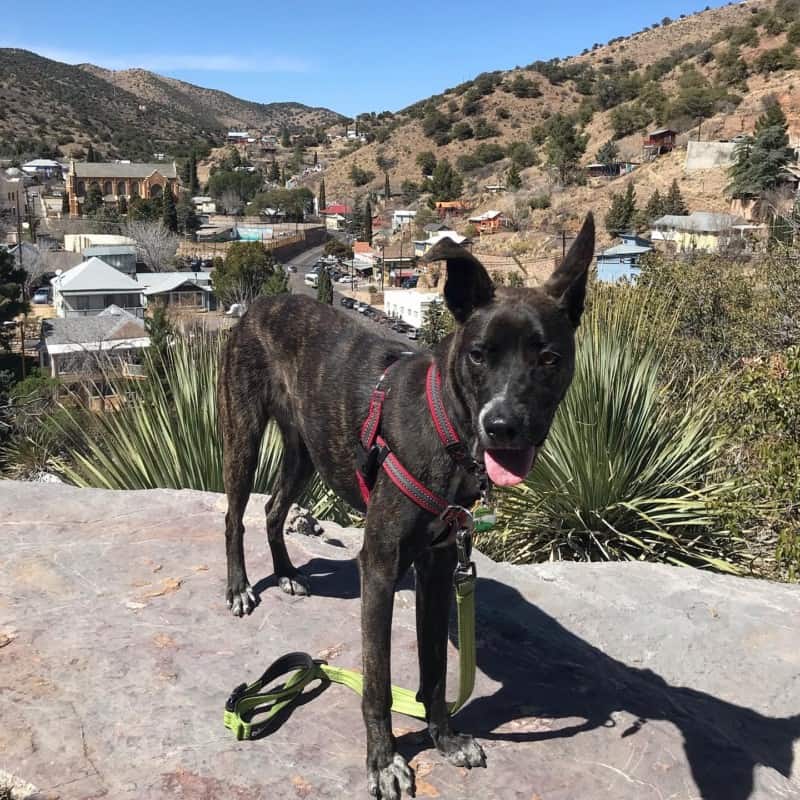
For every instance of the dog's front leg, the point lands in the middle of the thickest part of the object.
(434, 578)
(388, 774)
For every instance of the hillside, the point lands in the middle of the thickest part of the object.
(47, 106)
(709, 67)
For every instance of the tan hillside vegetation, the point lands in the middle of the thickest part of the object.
(676, 74)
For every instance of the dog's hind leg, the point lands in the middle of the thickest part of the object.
(295, 471)
(434, 579)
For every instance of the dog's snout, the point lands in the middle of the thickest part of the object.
(501, 430)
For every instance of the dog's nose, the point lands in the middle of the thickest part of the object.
(501, 431)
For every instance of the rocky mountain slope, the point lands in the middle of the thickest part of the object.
(713, 69)
(45, 104)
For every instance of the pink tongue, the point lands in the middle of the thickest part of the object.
(509, 467)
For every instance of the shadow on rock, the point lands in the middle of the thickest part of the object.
(548, 672)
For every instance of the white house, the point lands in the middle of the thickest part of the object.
(11, 195)
(178, 291)
(402, 218)
(408, 304)
(421, 246)
(44, 168)
(93, 286)
(78, 242)
(204, 204)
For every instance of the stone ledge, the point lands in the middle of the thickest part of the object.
(612, 680)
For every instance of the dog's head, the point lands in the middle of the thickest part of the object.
(513, 353)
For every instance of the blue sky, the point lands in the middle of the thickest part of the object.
(348, 56)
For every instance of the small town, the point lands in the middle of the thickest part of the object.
(497, 363)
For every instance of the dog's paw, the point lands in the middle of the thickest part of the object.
(390, 782)
(462, 750)
(242, 601)
(295, 584)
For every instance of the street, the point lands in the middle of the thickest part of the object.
(304, 262)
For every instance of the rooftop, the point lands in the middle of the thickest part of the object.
(699, 222)
(98, 332)
(112, 169)
(94, 275)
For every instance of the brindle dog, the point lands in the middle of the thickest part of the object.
(312, 369)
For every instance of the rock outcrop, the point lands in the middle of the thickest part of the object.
(622, 681)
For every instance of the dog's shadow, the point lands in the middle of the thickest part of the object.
(546, 671)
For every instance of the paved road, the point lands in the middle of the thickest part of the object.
(304, 262)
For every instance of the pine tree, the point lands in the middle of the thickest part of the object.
(321, 201)
(325, 288)
(286, 140)
(513, 178)
(620, 216)
(437, 322)
(564, 146)
(194, 184)
(368, 222)
(316, 159)
(761, 160)
(674, 202)
(94, 200)
(445, 183)
(90, 156)
(387, 189)
(655, 207)
(274, 172)
(608, 153)
(169, 214)
(186, 216)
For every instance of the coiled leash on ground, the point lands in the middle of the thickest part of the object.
(248, 702)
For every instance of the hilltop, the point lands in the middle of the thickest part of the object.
(715, 67)
(48, 105)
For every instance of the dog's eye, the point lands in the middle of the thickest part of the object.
(549, 359)
(476, 355)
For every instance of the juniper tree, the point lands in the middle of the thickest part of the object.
(367, 226)
(321, 201)
(169, 214)
(513, 178)
(620, 216)
(674, 202)
(325, 288)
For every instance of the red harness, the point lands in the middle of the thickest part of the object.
(377, 454)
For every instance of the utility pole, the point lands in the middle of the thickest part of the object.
(19, 232)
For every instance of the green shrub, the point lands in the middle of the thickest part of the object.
(540, 202)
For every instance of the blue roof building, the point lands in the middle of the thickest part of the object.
(622, 260)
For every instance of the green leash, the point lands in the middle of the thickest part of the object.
(247, 702)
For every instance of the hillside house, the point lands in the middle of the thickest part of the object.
(204, 204)
(335, 216)
(93, 286)
(421, 246)
(702, 231)
(445, 208)
(119, 180)
(237, 137)
(611, 170)
(90, 355)
(658, 142)
(44, 168)
(490, 221)
(622, 261)
(178, 292)
(402, 218)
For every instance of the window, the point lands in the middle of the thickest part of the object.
(107, 188)
(120, 188)
(134, 188)
(81, 188)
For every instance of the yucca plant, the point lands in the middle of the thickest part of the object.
(627, 473)
(165, 435)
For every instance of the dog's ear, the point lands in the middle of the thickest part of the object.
(468, 285)
(567, 285)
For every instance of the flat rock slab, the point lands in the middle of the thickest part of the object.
(117, 653)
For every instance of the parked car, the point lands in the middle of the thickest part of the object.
(410, 283)
(311, 279)
(291, 268)
(41, 295)
(413, 333)
(344, 279)
(347, 302)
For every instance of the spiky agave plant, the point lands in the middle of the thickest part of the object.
(165, 435)
(627, 473)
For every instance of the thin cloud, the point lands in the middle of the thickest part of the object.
(218, 62)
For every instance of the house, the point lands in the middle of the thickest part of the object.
(702, 231)
(335, 216)
(490, 221)
(409, 305)
(398, 260)
(658, 142)
(237, 137)
(273, 214)
(119, 256)
(204, 205)
(612, 169)
(446, 207)
(91, 354)
(495, 188)
(215, 233)
(78, 242)
(434, 227)
(364, 257)
(622, 260)
(421, 246)
(44, 168)
(93, 286)
(402, 218)
(178, 291)
(12, 195)
(119, 180)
